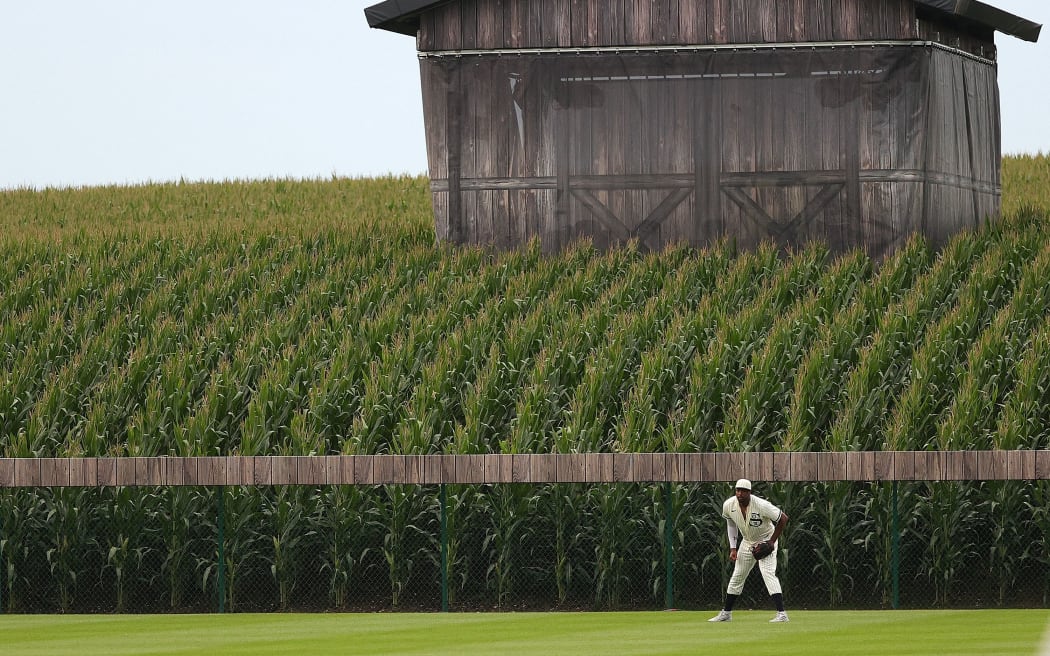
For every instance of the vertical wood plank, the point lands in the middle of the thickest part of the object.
(107, 472)
(175, 471)
(719, 21)
(692, 22)
(141, 471)
(333, 467)
(383, 469)
(240, 470)
(1042, 465)
(515, 17)
(155, 471)
(211, 471)
(432, 470)
(363, 474)
(263, 470)
(903, 466)
(7, 472)
(490, 24)
(663, 466)
(963, 465)
(623, 467)
(521, 468)
(884, 465)
(612, 27)
(189, 470)
(692, 469)
(708, 467)
(125, 471)
(643, 467)
(283, 470)
(831, 466)
(505, 465)
(803, 466)
(448, 468)
(83, 472)
(310, 470)
(781, 466)
(607, 463)
(855, 466)
(469, 468)
(414, 469)
(675, 468)
(664, 30)
(992, 465)
(730, 466)
(758, 465)
(54, 472)
(919, 467)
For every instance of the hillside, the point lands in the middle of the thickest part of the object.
(320, 317)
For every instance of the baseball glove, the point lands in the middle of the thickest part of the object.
(761, 549)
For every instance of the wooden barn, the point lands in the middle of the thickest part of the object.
(855, 122)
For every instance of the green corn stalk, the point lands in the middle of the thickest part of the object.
(1037, 507)
(874, 533)
(508, 532)
(290, 536)
(620, 534)
(875, 382)
(716, 374)
(400, 516)
(341, 531)
(935, 369)
(69, 527)
(949, 516)
(130, 520)
(181, 513)
(245, 541)
(817, 395)
(757, 418)
(1024, 420)
(23, 515)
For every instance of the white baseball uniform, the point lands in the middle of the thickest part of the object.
(757, 526)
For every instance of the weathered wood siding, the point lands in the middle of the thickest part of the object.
(527, 468)
(857, 147)
(494, 24)
(963, 146)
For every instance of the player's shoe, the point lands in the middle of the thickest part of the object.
(723, 616)
(780, 617)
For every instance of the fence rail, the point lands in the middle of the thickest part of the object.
(527, 468)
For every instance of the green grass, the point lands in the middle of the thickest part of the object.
(945, 633)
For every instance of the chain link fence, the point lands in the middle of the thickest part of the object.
(563, 546)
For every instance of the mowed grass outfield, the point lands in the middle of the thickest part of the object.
(999, 632)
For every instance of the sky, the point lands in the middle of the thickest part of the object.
(136, 91)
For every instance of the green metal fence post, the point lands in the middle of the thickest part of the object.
(222, 550)
(668, 547)
(896, 551)
(444, 552)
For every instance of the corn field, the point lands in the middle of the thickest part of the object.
(320, 317)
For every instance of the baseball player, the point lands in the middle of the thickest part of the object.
(751, 521)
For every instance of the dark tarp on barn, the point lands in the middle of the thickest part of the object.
(857, 145)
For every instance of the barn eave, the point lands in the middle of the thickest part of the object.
(402, 16)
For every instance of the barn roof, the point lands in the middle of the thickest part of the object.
(402, 16)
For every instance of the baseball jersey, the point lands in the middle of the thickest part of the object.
(762, 518)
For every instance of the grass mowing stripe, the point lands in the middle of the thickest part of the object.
(945, 633)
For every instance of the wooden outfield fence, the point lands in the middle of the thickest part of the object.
(526, 468)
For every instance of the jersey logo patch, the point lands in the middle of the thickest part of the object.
(755, 520)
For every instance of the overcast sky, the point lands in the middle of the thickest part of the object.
(131, 91)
